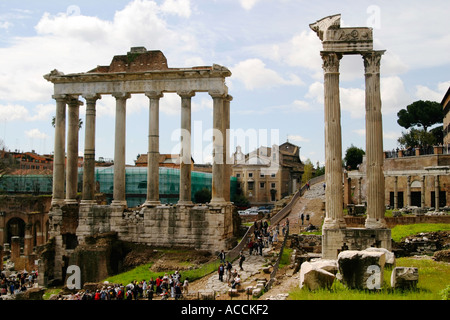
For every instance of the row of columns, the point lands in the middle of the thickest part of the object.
(334, 218)
(422, 191)
(68, 172)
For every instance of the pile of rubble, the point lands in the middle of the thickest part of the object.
(422, 244)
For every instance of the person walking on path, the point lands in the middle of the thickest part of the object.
(221, 256)
(241, 260)
(221, 272)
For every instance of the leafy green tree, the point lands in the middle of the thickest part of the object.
(353, 157)
(202, 196)
(307, 171)
(417, 137)
(421, 114)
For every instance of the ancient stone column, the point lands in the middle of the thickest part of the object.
(374, 143)
(395, 192)
(334, 216)
(72, 149)
(408, 190)
(217, 195)
(436, 193)
(360, 190)
(422, 193)
(59, 157)
(153, 150)
(89, 150)
(119, 198)
(185, 153)
(227, 159)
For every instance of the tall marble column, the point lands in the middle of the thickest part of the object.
(436, 193)
(408, 190)
(119, 198)
(334, 216)
(374, 143)
(185, 155)
(153, 150)
(422, 193)
(395, 192)
(217, 195)
(89, 150)
(72, 149)
(227, 160)
(59, 157)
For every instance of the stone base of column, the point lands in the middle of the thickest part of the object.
(151, 203)
(88, 203)
(337, 240)
(119, 203)
(58, 202)
(70, 201)
(218, 202)
(331, 224)
(185, 203)
(372, 223)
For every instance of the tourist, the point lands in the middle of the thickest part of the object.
(221, 272)
(241, 260)
(236, 282)
(178, 293)
(186, 286)
(221, 256)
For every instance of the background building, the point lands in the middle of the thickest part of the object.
(266, 175)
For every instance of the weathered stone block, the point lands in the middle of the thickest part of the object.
(362, 269)
(404, 277)
(313, 275)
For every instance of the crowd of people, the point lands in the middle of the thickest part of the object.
(17, 282)
(163, 287)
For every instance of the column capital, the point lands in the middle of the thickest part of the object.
(372, 61)
(73, 101)
(217, 94)
(92, 97)
(121, 95)
(154, 94)
(186, 93)
(331, 61)
(228, 98)
(60, 97)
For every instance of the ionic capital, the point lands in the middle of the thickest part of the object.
(121, 95)
(372, 61)
(154, 94)
(217, 94)
(331, 61)
(186, 93)
(73, 101)
(92, 97)
(60, 97)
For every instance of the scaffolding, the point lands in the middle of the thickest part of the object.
(135, 184)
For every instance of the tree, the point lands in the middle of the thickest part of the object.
(353, 157)
(417, 137)
(307, 171)
(202, 196)
(421, 114)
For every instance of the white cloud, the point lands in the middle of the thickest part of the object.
(15, 112)
(179, 7)
(425, 93)
(35, 133)
(297, 138)
(254, 74)
(248, 4)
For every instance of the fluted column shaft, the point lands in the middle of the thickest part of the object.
(89, 149)
(408, 190)
(395, 192)
(60, 150)
(217, 195)
(153, 150)
(72, 149)
(374, 143)
(226, 144)
(334, 216)
(422, 193)
(119, 197)
(185, 155)
(436, 193)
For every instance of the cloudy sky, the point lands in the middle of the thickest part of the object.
(277, 81)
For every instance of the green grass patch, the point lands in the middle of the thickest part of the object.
(142, 272)
(401, 231)
(434, 281)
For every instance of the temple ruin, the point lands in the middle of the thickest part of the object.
(207, 227)
(338, 42)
